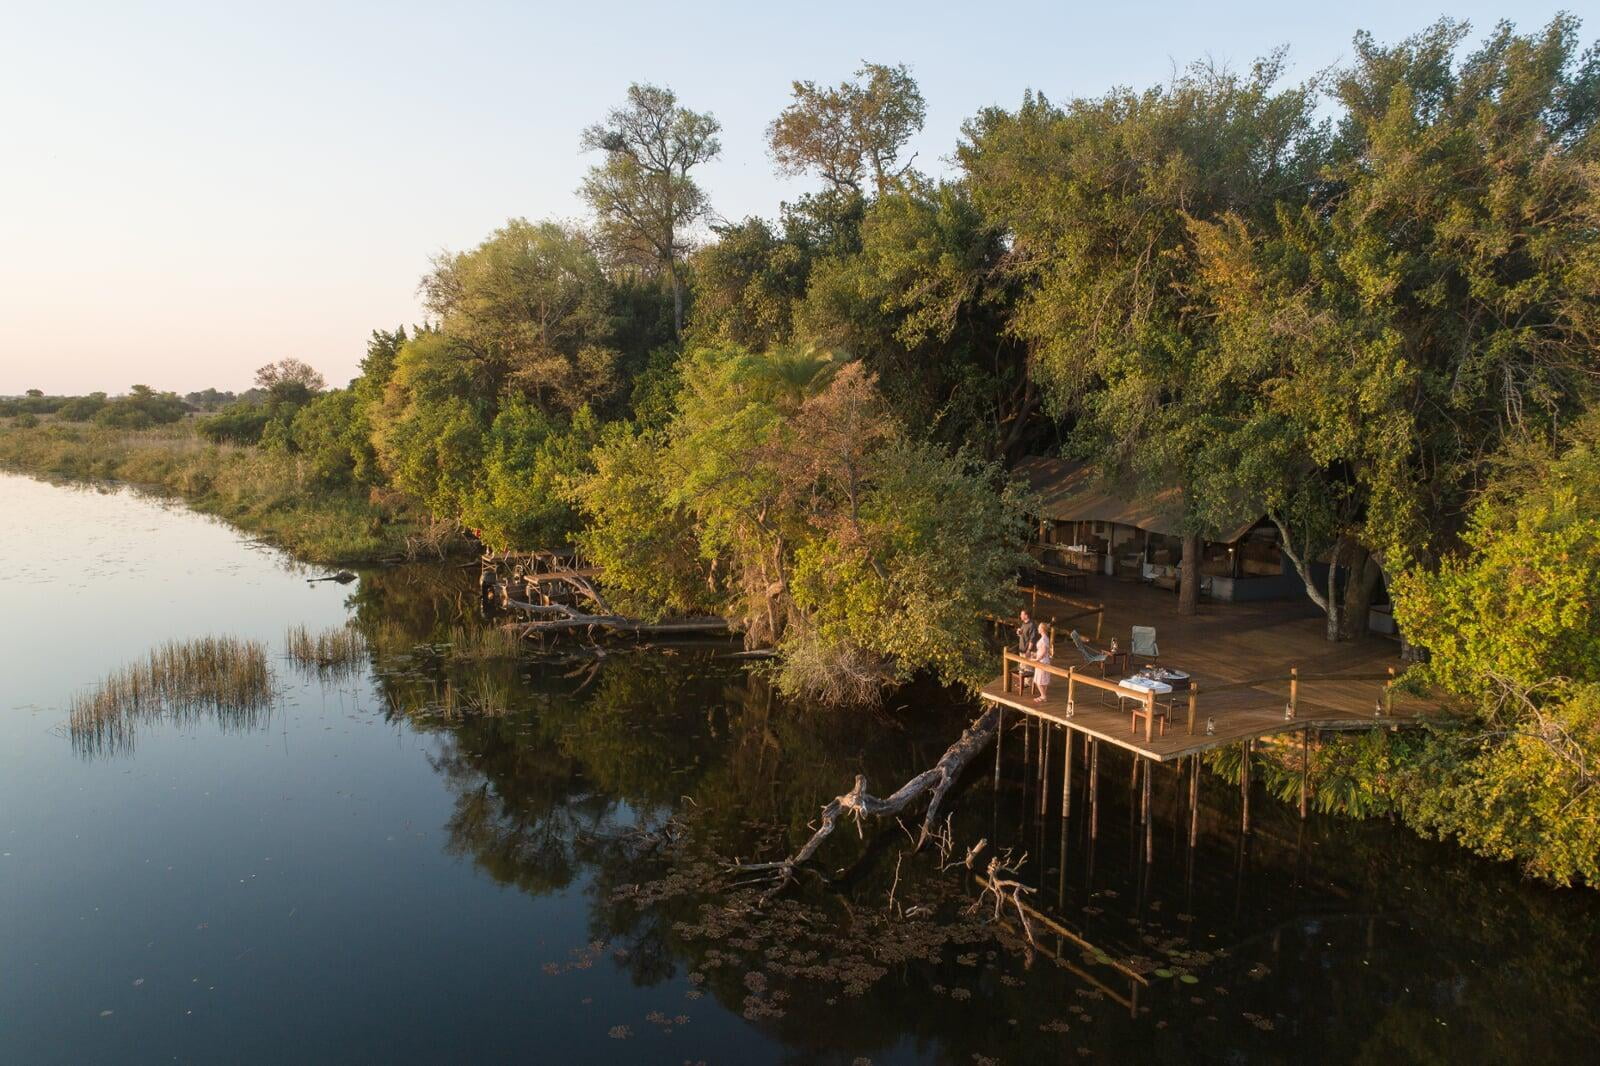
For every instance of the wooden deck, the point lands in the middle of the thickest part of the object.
(1240, 656)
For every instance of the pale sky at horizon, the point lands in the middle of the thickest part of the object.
(191, 190)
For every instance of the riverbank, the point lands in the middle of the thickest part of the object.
(270, 495)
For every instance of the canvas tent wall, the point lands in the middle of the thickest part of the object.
(1138, 533)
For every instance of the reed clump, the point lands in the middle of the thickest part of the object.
(337, 650)
(225, 677)
(483, 642)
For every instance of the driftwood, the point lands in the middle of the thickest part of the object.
(556, 617)
(934, 783)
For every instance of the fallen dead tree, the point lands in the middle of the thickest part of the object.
(933, 784)
(558, 617)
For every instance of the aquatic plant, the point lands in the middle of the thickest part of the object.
(336, 650)
(223, 677)
(483, 642)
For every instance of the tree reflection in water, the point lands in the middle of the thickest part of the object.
(637, 776)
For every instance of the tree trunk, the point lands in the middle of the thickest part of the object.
(677, 301)
(1189, 575)
(934, 784)
(1360, 583)
(1332, 603)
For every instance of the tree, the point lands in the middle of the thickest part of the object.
(643, 193)
(924, 302)
(1512, 625)
(784, 495)
(746, 284)
(852, 131)
(428, 431)
(1435, 303)
(1099, 200)
(289, 376)
(532, 304)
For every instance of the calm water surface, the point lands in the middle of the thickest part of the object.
(428, 860)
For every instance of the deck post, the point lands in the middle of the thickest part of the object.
(1149, 716)
(1194, 800)
(1244, 784)
(1388, 695)
(1066, 777)
(1094, 787)
(1305, 767)
(1044, 766)
(1294, 691)
(1149, 831)
(1194, 698)
(1099, 620)
(999, 735)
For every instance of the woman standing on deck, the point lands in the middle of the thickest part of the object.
(1041, 655)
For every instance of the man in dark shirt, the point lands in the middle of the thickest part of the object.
(1027, 637)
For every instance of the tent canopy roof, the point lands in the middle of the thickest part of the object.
(1070, 491)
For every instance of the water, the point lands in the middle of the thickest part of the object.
(377, 874)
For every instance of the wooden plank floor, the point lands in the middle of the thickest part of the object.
(1224, 645)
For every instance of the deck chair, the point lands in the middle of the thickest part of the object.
(1091, 656)
(1144, 642)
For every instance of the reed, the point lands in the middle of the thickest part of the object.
(221, 677)
(339, 650)
(483, 642)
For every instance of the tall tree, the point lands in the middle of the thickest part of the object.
(850, 132)
(1434, 305)
(925, 303)
(1098, 199)
(644, 193)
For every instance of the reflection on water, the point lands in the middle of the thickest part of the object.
(453, 853)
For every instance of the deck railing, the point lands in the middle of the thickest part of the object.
(1147, 700)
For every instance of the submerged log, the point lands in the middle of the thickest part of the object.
(934, 784)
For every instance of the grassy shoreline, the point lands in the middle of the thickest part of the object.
(273, 496)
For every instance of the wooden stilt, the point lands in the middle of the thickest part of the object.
(1066, 776)
(1305, 767)
(1149, 822)
(999, 735)
(1244, 785)
(1044, 766)
(1194, 800)
(1094, 787)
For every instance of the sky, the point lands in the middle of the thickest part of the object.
(191, 190)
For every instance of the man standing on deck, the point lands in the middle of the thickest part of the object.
(1027, 637)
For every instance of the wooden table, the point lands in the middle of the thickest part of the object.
(1149, 709)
